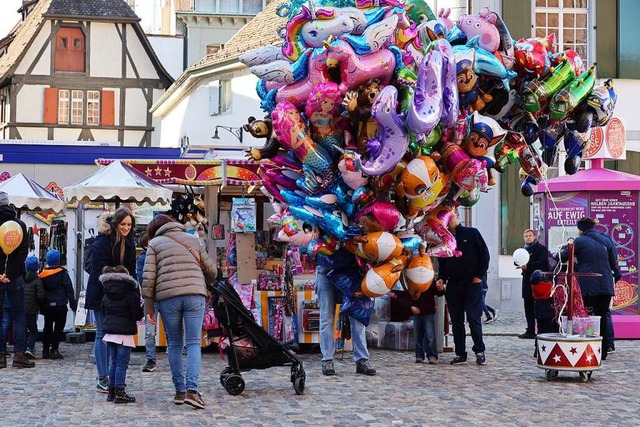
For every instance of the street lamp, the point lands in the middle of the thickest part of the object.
(237, 132)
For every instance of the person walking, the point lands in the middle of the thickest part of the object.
(58, 291)
(149, 329)
(34, 298)
(538, 260)
(176, 273)
(122, 310)
(12, 271)
(491, 314)
(463, 279)
(113, 246)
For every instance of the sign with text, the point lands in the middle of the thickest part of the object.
(562, 212)
(608, 142)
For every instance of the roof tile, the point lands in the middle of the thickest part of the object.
(97, 8)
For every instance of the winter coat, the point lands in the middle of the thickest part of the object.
(121, 304)
(592, 257)
(106, 253)
(58, 289)
(34, 296)
(15, 266)
(474, 261)
(426, 302)
(172, 270)
(612, 252)
(538, 260)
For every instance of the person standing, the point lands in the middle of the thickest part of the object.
(612, 253)
(491, 314)
(538, 260)
(12, 271)
(176, 273)
(34, 298)
(114, 246)
(149, 329)
(463, 278)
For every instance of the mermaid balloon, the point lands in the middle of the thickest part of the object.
(323, 109)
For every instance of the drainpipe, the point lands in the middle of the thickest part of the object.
(185, 44)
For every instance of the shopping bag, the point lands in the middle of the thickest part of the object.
(81, 312)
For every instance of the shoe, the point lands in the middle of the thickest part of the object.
(3, 361)
(45, 353)
(194, 399)
(527, 336)
(611, 350)
(496, 315)
(123, 397)
(433, 361)
(364, 367)
(30, 354)
(418, 360)
(150, 366)
(111, 396)
(21, 361)
(327, 368)
(490, 319)
(481, 359)
(459, 360)
(178, 399)
(102, 385)
(55, 355)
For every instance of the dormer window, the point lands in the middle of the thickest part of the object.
(70, 50)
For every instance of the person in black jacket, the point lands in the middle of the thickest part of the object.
(58, 291)
(463, 278)
(122, 309)
(34, 298)
(538, 260)
(113, 246)
(12, 271)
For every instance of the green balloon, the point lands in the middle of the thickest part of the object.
(537, 93)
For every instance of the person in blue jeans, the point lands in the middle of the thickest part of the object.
(490, 313)
(149, 329)
(6, 321)
(424, 323)
(327, 299)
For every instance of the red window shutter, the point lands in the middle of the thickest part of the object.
(108, 108)
(51, 105)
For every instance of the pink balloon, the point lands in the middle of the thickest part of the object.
(437, 232)
(349, 167)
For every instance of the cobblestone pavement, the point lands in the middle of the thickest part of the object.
(509, 390)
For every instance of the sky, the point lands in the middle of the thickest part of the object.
(8, 15)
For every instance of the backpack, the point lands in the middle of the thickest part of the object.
(86, 257)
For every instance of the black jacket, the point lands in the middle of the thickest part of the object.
(121, 304)
(33, 293)
(612, 252)
(58, 289)
(15, 265)
(592, 256)
(106, 253)
(538, 260)
(474, 261)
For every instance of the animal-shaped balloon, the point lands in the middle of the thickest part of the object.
(421, 183)
(419, 273)
(296, 232)
(380, 279)
(375, 247)
(602, 101)
(358, 104)
(425, 108)
(482, 25)
(378, 216)
(261, 129)
(464, 171)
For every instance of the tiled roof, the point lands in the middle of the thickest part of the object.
(260, 31)
(183, 5)
(97, 8)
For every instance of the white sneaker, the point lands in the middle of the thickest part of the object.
(497, 315)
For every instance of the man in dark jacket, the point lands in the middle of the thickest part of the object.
(538, 260)
(463, 277)
(12, 271)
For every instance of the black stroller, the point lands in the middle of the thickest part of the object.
(250, 346)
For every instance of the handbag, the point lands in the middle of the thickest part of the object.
(210, 321)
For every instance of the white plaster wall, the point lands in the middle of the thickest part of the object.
(201, 36)
(64, 134)
(37, 134)
(105, 135)
(136, 108)
(30, 104)
(63, 175)
(44, 64)
(169, 52)
(143, 63)
(132, 138)
(106, 51)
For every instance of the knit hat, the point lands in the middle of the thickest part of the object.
(32, 264)
(4, 199)
(53, 258)
(585, 224)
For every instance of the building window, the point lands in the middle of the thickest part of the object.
(93, 107)
(220, 96)
(251, 7)
(63, 107)
(568, 19)
(458, 7)
(212, 49)
(225, 96)
(69, 50)
(628, 46)
(229, 6)
(77, 107)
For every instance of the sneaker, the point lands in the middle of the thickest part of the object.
(490, 319)
(610, 350)
(527, 336)
(496, 315)
(481, 359)
(124, 397)
(459, 360)
(55, 354)
(327, 368)
(364, 367)
(150, 366)
(418, 360)
(179, 397)
(30, 354)
(433, 361)
(102, 385)
(194, 399)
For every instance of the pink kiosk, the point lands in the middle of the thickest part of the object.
(612, 199)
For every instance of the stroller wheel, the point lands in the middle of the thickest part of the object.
(295, 368)
(234, 384)
(298, 384)
(224, 374)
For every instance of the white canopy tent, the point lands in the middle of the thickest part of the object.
(26, 194)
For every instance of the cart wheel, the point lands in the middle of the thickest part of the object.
(549, 374)
(234, 384)
(585, 376)
(295, 369)
(298, 384)
(224, 374)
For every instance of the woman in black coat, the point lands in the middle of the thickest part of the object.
(113, 246)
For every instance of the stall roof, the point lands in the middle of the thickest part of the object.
(24, 193)
(598, 179)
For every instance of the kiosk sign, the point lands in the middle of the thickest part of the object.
(608, 142)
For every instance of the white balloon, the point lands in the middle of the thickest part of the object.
(520, 257)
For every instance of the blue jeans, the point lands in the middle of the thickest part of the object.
(32, 328)
(176, 311)
(99, 347)
(425, 331)
(120, 355)
(465, 298)
(15, 292)
(327, 295)
(489, 312)
(150, 336)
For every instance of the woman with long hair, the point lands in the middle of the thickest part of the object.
(114, 246)
(176, 272)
